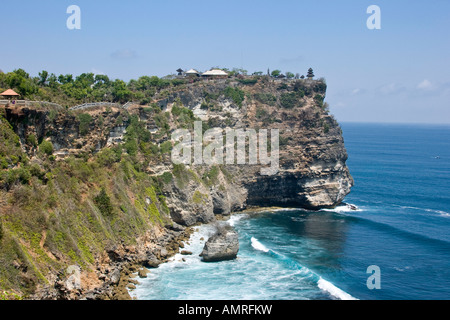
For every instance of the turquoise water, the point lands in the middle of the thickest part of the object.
(402, 190)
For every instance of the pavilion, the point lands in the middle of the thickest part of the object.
(192, 73)
(215, 74)
(9, 94)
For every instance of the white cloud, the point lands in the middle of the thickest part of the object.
(425, 85)
(392, 88)
(357, 91)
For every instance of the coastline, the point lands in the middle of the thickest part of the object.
(196, 240)
(120, 266)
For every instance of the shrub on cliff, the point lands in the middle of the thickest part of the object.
(46, 147)
(85, 122)
(103, 203)
(290, 100)
(266, 98)
(236, 94)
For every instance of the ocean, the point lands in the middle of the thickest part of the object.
(401, 226)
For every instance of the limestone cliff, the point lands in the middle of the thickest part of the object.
(111, 168)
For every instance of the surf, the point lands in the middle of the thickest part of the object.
(321, 283)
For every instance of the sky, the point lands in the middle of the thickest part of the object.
(399, 73)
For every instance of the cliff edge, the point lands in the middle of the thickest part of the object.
(77, 183)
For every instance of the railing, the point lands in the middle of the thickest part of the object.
(45, 103)
(81, 106)
(95, 104)
(128, 104)
(13, 102)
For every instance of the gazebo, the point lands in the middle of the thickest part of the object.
(192, 73)
(9, 94)
(215, 74)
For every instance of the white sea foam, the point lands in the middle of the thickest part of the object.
(258, 245)
(343, 208)
(333, 290)
(439, 212)
(235, 218)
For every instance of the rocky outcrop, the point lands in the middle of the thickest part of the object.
(223, 245)
(312, 172)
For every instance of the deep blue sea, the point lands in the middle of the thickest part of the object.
(402, 225)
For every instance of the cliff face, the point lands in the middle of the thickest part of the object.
(127, 153)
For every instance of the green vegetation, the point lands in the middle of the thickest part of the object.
(71, 208)
(32, 140)
(291, 100)
(199, 198)
(275, 73)
(103, 202)
(266, 98)
(85, 122)
(318, 99)
(183, 116)
(236, 94)
(65, 212)
(261, 113)
(73, 90)
(46, 147)
(248, 81)
(210, 177)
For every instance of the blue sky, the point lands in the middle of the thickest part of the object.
(400, 73)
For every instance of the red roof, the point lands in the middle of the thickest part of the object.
(9, 92)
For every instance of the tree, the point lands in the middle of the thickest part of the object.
(289, 75)
(276, 73)
(52, 81)
(85, 80)
(43, 76)
(21, 73)
(101, 80)
(310, 74)
(64, 79)
(120, 91)
(46, 147)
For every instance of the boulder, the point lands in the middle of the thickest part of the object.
(142, 273)
(223, 245)
(151, 262)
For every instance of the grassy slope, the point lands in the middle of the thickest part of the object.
(53, 213)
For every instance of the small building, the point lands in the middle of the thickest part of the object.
(215, 74)
(192, 73)
(10, 94)
(180, 71)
